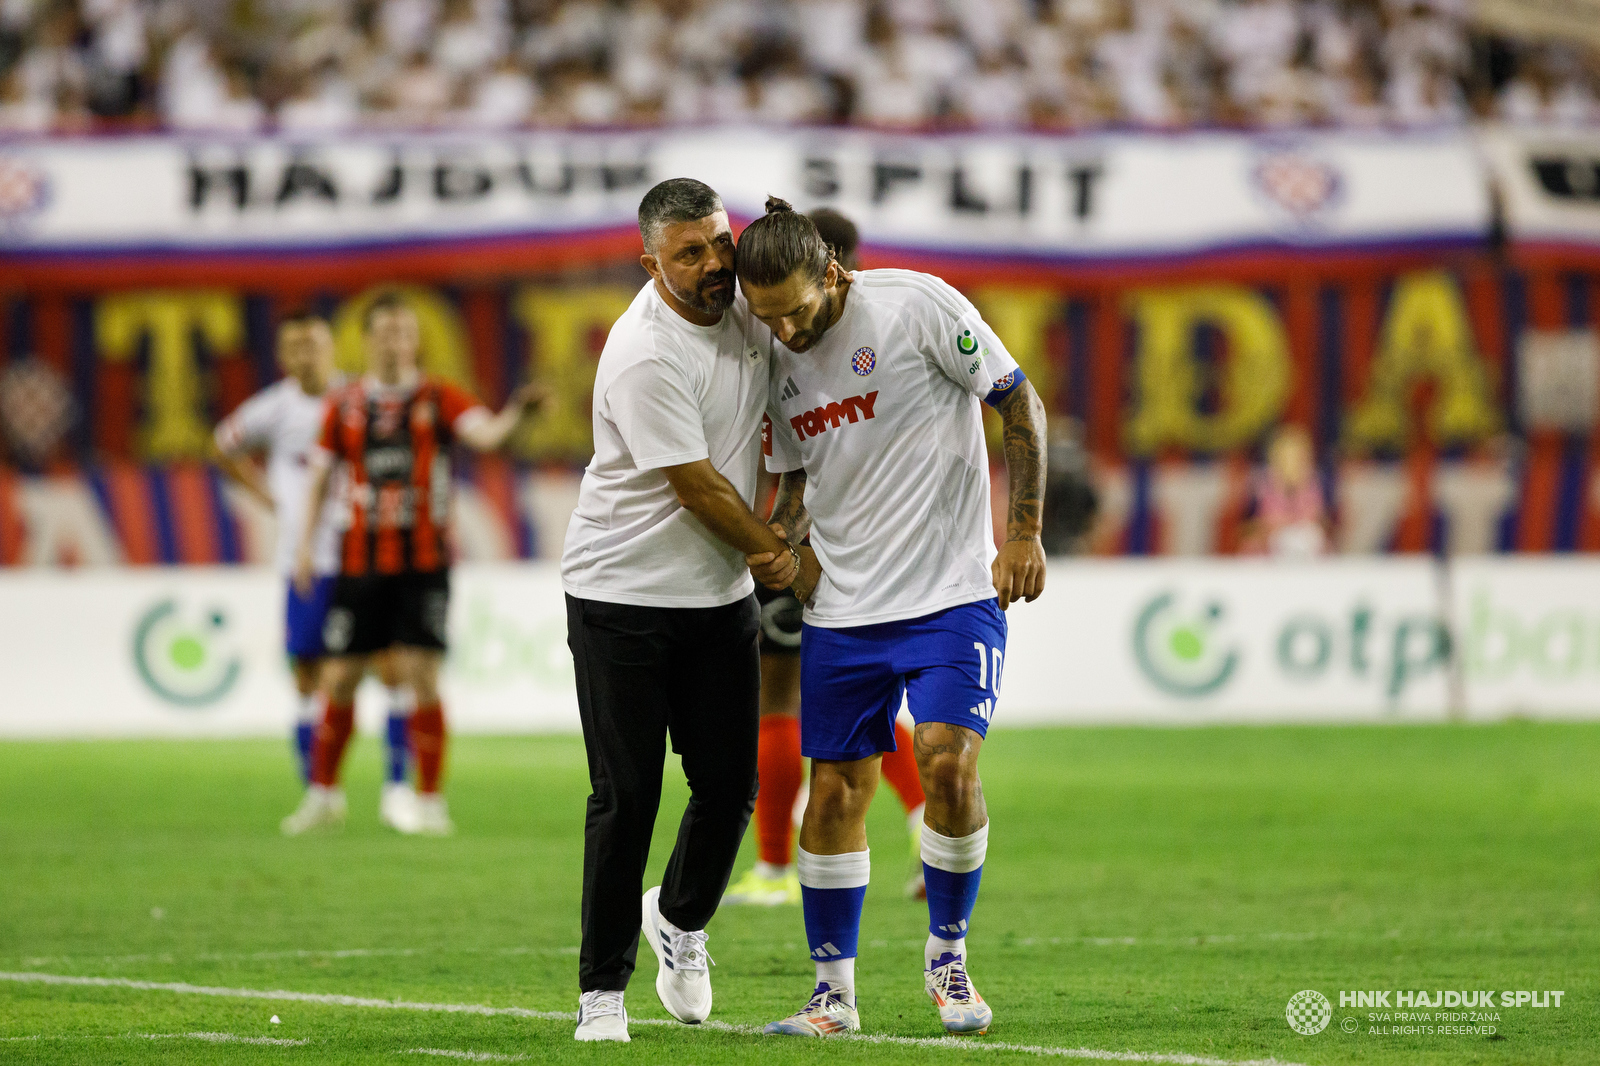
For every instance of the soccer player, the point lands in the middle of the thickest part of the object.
(660, 613)
(773, 880)
(388, 436)
(283, 420)
(878, 433)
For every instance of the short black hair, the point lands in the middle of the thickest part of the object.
(838, 233)
(301, 316)
(387, 300)
(674, 200)
(779, 243)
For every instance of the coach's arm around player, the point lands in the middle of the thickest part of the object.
(712, 499)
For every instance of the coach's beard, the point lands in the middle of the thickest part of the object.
(712, 295)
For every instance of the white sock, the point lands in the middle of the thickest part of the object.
(310, 708)
(399, 699)
(839, 974)
(772, 872)
(938, 945)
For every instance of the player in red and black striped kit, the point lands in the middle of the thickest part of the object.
(388, 437)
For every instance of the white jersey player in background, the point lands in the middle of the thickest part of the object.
(283, 422)
(877, 429)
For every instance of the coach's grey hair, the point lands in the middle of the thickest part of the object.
(674, 200)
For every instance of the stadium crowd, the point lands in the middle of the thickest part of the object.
(317, 65)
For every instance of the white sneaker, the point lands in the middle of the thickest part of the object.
(683, 978)
(398, 807)
(826, 1015)
(321, 808)
(601, 1016)
(961, 1009)
(430, 817)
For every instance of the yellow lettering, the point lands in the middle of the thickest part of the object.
(176, 426)
(1254, 381)
(566, 328)
(1425, 338)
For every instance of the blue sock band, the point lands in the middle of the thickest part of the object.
(399, 742)
(304, 733)
(951, 898)
(832, 890)
(833, 921)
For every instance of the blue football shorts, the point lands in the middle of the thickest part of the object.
(946, 666)
(304, 616)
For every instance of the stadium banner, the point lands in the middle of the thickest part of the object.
(495, 196)
(1529, 631)
(1549, 181)
(1197, 641)
(197, 651)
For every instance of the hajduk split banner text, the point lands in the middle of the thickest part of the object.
(1065, 199)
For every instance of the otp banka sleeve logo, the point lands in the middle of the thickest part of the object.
(186, 656)
(1182, 649)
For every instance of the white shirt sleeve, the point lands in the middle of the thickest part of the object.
(961, 343)
(249, 427)
(657, 414)
(472, 416)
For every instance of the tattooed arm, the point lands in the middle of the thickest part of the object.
(789, 507)
(1018, 569)
(790, 521)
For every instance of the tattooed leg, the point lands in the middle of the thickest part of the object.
(947, 760)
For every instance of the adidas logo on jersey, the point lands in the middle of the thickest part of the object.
(854, 408)
(789, 391)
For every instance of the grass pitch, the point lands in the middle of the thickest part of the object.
(1154, 891)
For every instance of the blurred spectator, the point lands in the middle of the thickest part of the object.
(1070, 499)
(1290, 516)
(901, 64)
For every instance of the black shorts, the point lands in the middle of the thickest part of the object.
(780, 621)
(376, 611)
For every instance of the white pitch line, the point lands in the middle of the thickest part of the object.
(227, 1038)
(952, 1043)
(470, 1056)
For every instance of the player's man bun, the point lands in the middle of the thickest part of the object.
(779, 243)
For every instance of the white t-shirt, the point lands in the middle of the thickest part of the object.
(667, 392)
(885, 416)
(285, 422)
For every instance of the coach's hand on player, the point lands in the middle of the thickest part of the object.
(775, 570)
(1018, 571)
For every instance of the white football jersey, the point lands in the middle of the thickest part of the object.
(285, 423)
(885, 415)
(667, 392)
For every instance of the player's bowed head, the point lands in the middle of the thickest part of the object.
(688, 248)
(790, 277)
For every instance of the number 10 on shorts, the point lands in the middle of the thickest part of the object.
(989, 679)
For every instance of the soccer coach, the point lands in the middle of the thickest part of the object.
(661, 616)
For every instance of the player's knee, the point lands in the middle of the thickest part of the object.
(948, 780)
(838, 797)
